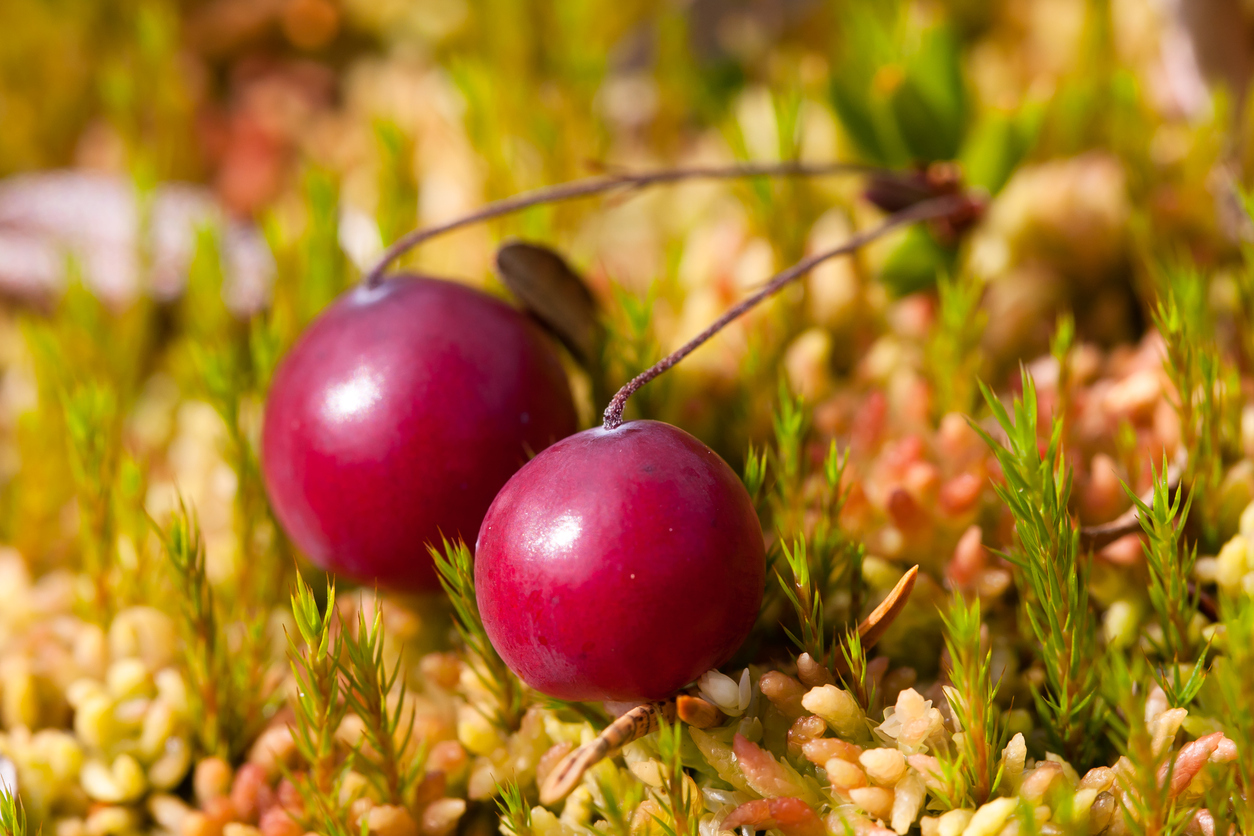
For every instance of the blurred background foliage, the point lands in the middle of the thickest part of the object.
(239, 163)
(1110, 134)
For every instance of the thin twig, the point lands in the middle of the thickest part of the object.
(930, 209)
(608, 183)
(1097, 537)
(633, 725)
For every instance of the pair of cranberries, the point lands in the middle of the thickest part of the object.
(617, 564)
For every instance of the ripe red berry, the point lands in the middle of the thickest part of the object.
(396, 418)
(620, 564)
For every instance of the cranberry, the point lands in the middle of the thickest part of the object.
(620, 564)
(396, 418)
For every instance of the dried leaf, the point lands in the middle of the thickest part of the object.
(877, 623)
(555, 295)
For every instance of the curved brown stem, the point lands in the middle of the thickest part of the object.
(633, 725)
(927, 210)
(1097, 537)
(607, 183)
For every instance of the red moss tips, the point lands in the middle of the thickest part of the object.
(790, 816)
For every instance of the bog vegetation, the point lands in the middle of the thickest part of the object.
(1049, 413)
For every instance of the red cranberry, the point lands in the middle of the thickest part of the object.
(620, 564)
(396, 418)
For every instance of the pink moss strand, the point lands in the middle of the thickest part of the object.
(927, 210)
(606, 183)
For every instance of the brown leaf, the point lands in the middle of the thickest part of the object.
(555, 295)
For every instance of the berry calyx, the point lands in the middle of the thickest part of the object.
(620, 564)
(397, 416)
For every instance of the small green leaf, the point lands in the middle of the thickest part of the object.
(916, 262)
(996, 146)
(930, 105)
(863, 126)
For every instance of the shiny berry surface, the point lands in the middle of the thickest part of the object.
(620, 564)
(396, 418)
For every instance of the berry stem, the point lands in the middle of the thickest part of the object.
(635, 724)
(926, 210)
(607, 183)
(1096, 537)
